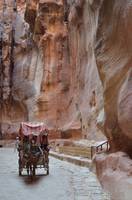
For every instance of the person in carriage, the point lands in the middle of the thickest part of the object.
(35, 148)
(26, 146)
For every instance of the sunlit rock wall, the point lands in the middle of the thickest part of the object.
(21, 84)
(71, 92)
(85, 86)
(55, 77)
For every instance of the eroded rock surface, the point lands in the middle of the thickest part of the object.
(115, 174)
(114, 62)
(55, 78)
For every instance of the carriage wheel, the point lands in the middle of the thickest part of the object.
(31, 171)
(28, 171)
(20, 173)
(20, 167)
(34, 171)
(47, 168)
(28, 168)
(48, 171)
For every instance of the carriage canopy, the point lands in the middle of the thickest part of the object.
(28, 128)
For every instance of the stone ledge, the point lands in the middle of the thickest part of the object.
(72, 159)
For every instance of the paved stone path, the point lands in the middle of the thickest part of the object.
(65, 181)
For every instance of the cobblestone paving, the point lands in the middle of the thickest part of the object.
(65, 182)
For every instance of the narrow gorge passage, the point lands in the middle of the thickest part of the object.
(68, 64)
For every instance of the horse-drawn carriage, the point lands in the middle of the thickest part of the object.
(33, 149)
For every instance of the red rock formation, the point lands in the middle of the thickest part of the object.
(115, 174)
(55, 74)
(113, 55)
(55, 61)
(66, 99)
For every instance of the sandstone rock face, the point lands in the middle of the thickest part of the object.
(18, 85)
(71, 69)
(11, 109)
(59, 45)
(115, 174)
(55, 77)
(114, 62)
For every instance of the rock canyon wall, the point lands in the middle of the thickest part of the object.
(63, 53)
(55, 77)
(114, 61)
(75, 39)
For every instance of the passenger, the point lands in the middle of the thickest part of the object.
(35, 149)
(26, 146)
